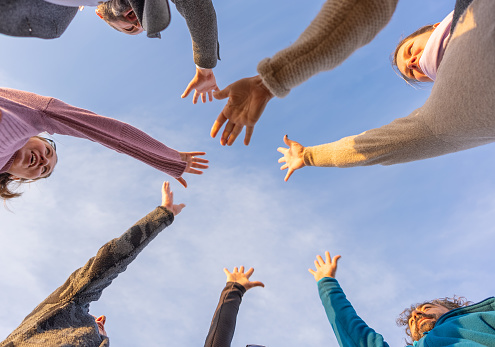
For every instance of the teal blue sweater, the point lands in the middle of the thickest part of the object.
(466, 326)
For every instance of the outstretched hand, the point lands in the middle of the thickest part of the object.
(192, 164)
(293, 157)
(168, 200)
(326, 268)
(242, 278)
(247, 100)
(204, 83)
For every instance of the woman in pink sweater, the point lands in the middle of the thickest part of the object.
(25, 157)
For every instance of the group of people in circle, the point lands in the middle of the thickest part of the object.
(458, 115)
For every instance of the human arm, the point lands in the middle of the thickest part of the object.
(223, 323)
(32, 114)
(428, 132)
(341, 27)
(201, 21)
(348, 327)
(88, 282)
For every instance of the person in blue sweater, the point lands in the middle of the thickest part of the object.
(440, 322)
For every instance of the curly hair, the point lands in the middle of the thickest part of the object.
(449, 303)
(9, 184)
(393, 56)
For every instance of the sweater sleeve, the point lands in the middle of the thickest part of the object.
(201, 21)
(124, 138)
(340, 28)
(87, 283)
(403, 140)
(223, 323)
(349, 329)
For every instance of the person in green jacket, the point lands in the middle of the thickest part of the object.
(439, 322)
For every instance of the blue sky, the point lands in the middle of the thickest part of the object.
(406, 233)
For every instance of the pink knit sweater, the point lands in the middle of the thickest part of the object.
(23, 115)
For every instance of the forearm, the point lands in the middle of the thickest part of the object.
(349, 328)
(201, 21)
(403, 140)
(340, 28)
(223, 323)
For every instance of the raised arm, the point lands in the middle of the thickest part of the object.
(31, 114)
(348, 327)
(87, 283)
(340, 28)
(201, 21)
(223, 323)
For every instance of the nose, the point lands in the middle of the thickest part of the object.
(415, 314)
(413, 62)
(101, 319)
(42, 160)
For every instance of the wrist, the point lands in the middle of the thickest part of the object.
(204, 71)
(261, 85)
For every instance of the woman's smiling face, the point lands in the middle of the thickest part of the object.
(36, 159)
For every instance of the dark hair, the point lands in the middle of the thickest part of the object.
(393, 56)
(9, 184)
(449, 303)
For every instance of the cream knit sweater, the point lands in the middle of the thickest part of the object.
(341, 27)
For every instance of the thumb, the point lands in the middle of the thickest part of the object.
(256, 284)
(287, 141)
(187, 91)
(178, 209)
(182, 181)
(221, 94)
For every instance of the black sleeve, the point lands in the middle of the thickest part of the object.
(223, 323)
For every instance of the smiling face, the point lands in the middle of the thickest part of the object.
(408, 56)
(127, 23)
(424, 318)
(36, 159)
(120, 16)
